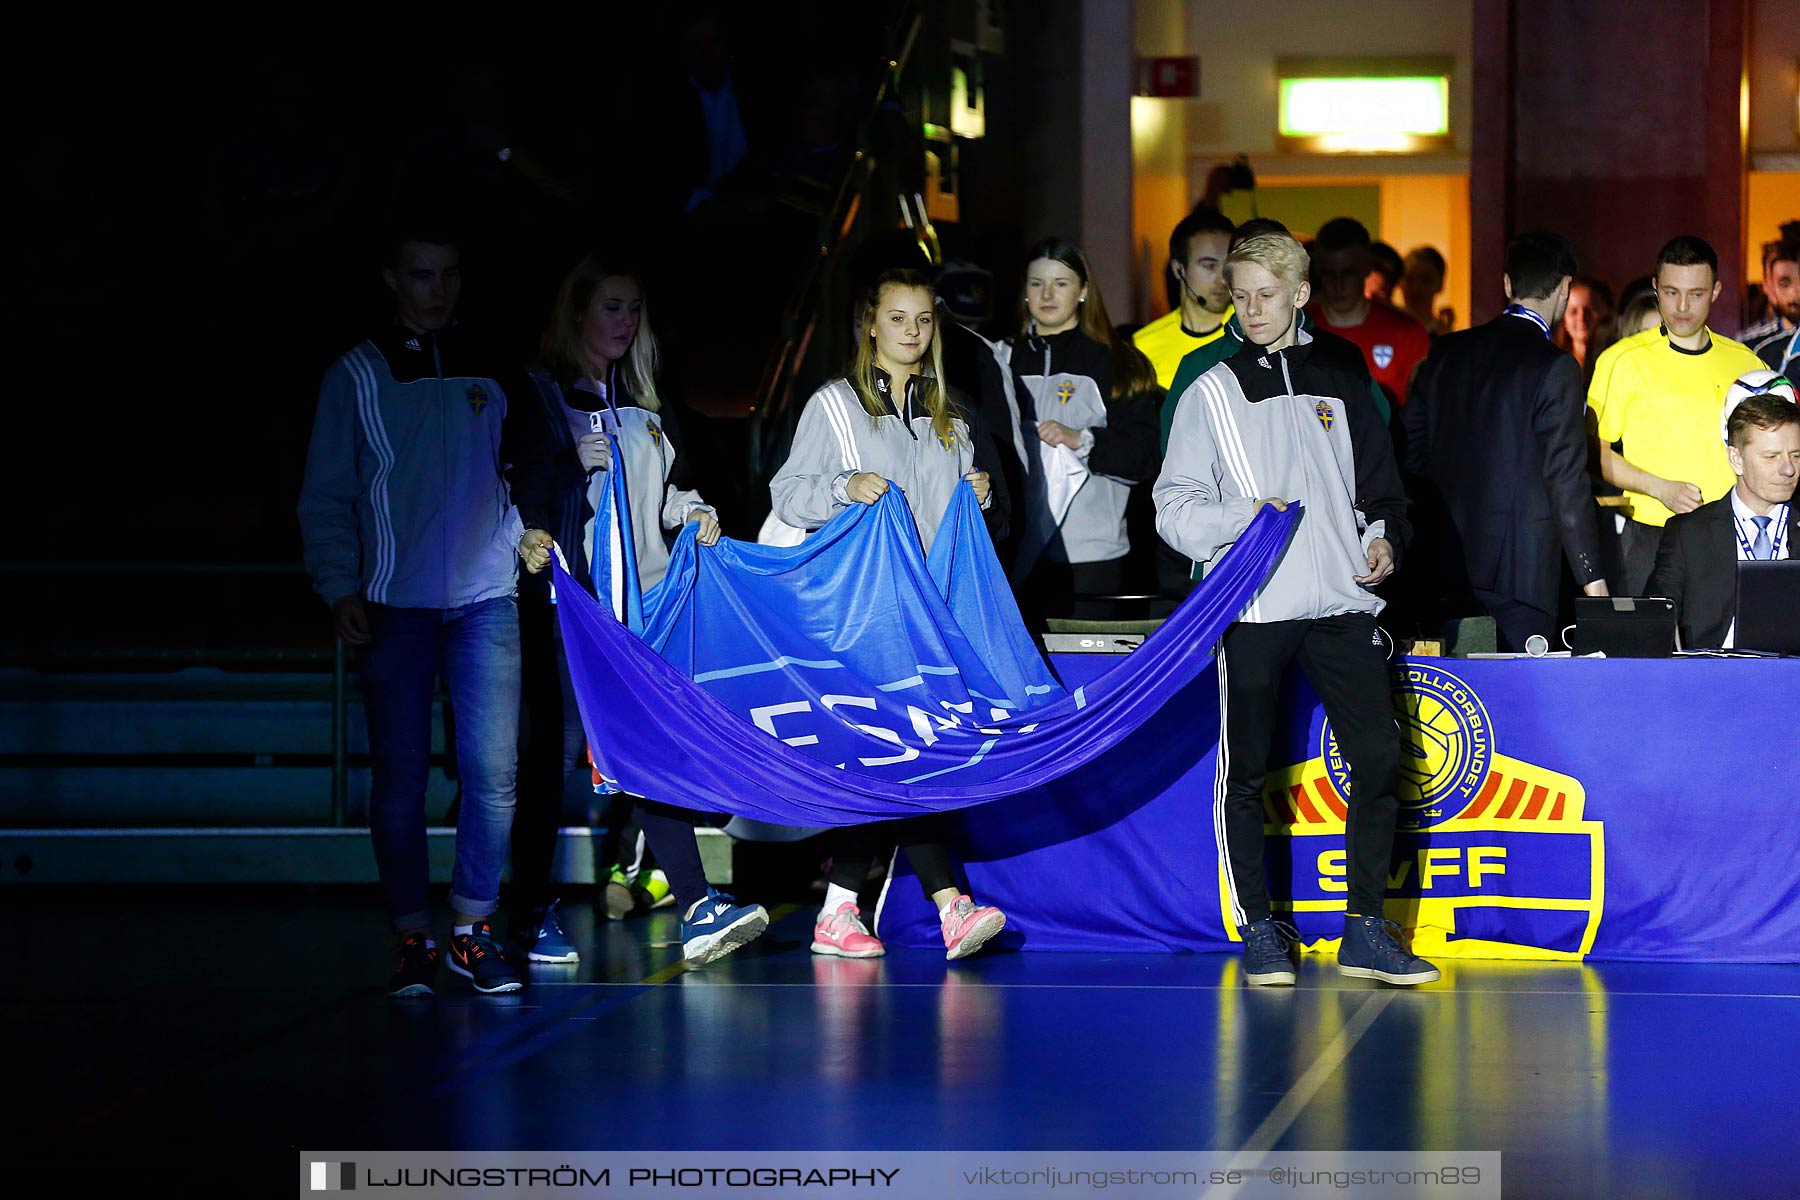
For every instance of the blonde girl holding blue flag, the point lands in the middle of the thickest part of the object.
(891, 421)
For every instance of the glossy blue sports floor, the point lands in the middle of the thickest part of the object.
(166, 1019)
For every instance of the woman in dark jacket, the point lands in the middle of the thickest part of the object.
(1081, 402)
(597, 385)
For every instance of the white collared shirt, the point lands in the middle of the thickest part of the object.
(1745, 520)
(1746, 523)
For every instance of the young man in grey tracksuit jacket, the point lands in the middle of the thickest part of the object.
(411, 535)
(1288, 420)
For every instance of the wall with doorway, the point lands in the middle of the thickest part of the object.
(1774, 199)
(1417, 199)
(1433, 210)
(1418, 210)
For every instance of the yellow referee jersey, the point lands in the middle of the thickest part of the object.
(1165, 343)
(1665, 403)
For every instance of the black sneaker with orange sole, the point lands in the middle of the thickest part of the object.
(477, 957)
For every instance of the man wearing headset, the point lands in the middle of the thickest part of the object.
(1197, 250)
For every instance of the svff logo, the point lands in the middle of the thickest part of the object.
(1493, 855)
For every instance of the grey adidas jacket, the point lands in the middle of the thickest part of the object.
(406, 499)
(1072, 502)
(655, 472)
(837, 438)
(1296, 425)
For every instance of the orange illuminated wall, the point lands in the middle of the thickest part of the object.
(1407, 211)
(1432, 210)
(1159, 199)
(1774, 198)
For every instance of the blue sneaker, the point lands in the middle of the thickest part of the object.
(718, 925)
(545, 940)
(1371, 949)
(1266, 961)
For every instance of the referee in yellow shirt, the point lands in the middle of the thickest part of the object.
(1197, 252)
(1660, 394)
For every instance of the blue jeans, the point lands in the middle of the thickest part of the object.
(477, 650)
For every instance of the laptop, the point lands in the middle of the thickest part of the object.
(1768, 606)
(1624, 626)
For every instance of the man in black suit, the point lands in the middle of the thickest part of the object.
(1496, 449)
(1696, 564)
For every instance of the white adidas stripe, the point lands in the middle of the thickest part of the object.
(615, 558)
(360, 377)
(383, 497)
(368, 402)
(835, 415)
(837, 411)
(1237, 459)
(1221, 771)
(1230, 438)
(882, 898)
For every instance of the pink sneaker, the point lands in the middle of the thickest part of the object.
(843, 934)
(968, 926)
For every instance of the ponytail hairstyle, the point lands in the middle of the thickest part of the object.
(930, 385)
(559, 351)
(1132, 372)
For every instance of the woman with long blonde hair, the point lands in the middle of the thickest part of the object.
(596, 385)
(889, 418)
(891, 421)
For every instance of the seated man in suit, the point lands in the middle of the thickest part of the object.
(1696, 562)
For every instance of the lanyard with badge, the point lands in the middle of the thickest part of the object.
(597, 424)
(1778, 517)
(597, 418)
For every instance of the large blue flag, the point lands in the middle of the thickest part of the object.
(851, 679)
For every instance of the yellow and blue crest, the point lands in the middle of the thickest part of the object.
(1481, 836)
(478, 398)
(1323, 409)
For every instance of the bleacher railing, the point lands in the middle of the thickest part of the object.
(133, 657)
